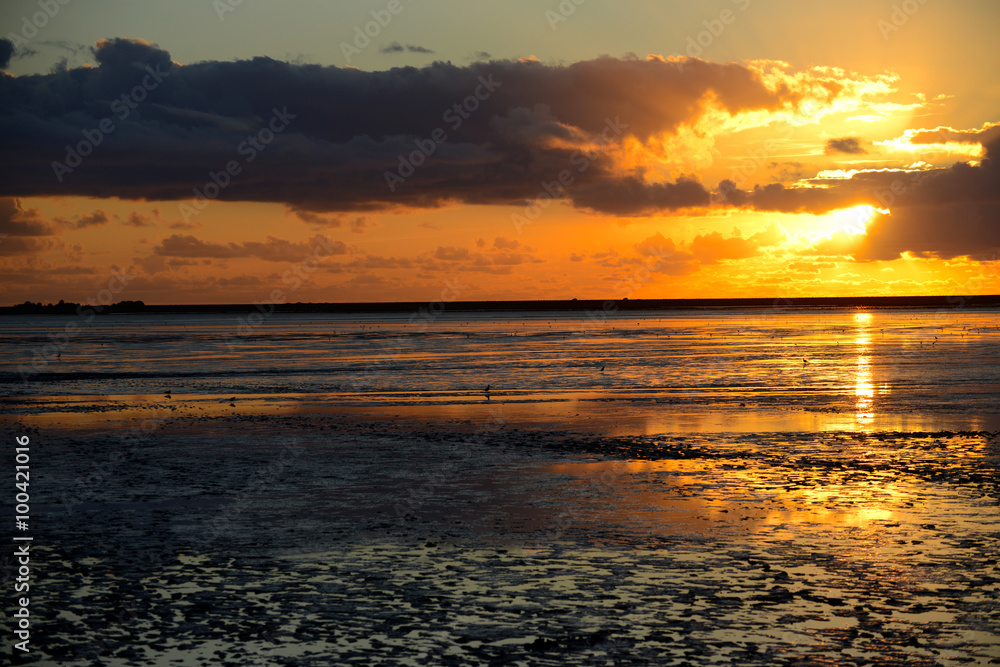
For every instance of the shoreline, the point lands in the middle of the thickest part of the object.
(626, 417)
(567, 305)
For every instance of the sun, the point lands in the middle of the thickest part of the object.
(852, 220)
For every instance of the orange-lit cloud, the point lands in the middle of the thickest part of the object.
(636, 166)
(625, 133)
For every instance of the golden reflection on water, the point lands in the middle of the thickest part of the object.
(673, 495)
(864, 389)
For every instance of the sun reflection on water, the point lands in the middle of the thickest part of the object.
(864, 389)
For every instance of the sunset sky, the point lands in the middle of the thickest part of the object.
(229, 151)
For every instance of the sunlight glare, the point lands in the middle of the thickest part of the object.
(853, 220)
(864, 388)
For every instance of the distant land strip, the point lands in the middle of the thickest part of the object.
(591, 305)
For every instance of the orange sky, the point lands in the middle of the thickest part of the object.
(815, 173)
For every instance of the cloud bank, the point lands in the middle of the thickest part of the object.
(140, 126)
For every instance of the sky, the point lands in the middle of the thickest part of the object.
(238, 151)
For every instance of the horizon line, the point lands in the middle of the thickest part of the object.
(621, 303)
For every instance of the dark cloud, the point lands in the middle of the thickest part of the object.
(943, 213)
(16, 221)
(789, 171)
(958, 229)
(500, 258)
(631, 196)
(375, 262)
(273, 250)
(396, 47)
(138, 220)
(360, 224)
(504, 243)
(6, 52)
(451, 254)
(95, 219)
(849, 145)
(129, 54)
(23, 231)
(24, 245)
(318, 219)
(883, 188)
(345, 129)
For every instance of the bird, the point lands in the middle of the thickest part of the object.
(805, 361)
(602, 369)
(487, 389)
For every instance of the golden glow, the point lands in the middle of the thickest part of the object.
(950, 148)
(847, 174)
(864, 389)
(851, 220)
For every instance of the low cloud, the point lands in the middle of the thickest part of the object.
(15, 220)
(94, 219)
(944, 212)
(941, 135)
(451, 254)
(510, 125)
(6, 52)
(23, 231)
(396, 47)
(848, 145)
(272, 250)
(136, 219)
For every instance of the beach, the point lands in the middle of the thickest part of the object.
(751, 487)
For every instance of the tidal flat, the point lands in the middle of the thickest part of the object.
(310, 540)
(722, 488)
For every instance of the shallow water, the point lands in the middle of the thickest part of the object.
(797, 370)
(335, 490)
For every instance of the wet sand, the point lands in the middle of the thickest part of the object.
(279, 538)
(690, 488)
